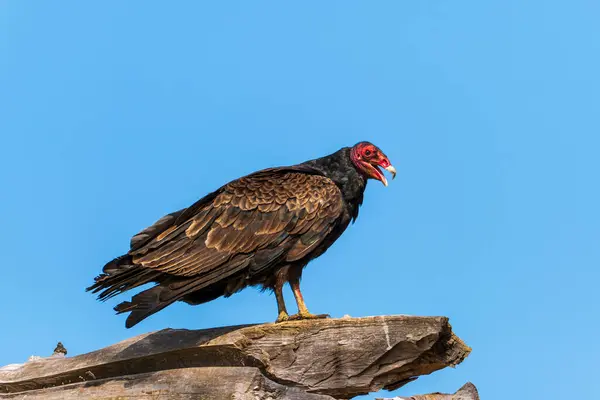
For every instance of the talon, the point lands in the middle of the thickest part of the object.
(282, 317)
(307, 315)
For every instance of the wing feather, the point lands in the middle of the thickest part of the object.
(253, 222)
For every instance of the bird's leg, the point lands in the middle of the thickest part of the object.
(303, 312)
(282, 312)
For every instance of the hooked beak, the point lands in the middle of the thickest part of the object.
(391, 170)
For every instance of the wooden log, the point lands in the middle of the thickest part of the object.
(467, 392)
(214, 383)
(338, 358)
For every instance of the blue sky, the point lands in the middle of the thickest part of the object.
(113, 114)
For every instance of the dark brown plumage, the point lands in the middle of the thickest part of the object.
(261, 229)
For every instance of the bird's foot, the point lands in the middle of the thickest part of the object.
(307, 315)
(282, 317)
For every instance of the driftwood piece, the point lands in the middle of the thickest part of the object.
(214, 383)
(467, 392)
(315, 359)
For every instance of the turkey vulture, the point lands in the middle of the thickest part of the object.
(261, 229)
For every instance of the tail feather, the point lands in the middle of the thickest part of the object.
(142, 305)
(120, 275)
(152, 300)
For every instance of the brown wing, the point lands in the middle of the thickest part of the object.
(252, 223)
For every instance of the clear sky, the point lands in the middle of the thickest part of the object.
(115, 113)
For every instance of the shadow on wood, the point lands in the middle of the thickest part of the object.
(316, 359)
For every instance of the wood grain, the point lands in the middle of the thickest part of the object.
(340, 358)
(467, 392)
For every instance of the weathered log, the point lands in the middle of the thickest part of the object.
(315, 359)
(467, 392)
(214, 383)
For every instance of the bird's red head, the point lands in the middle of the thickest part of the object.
(368, 158)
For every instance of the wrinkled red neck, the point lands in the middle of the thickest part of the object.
(356, 160)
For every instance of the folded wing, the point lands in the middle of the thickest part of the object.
(251, 224)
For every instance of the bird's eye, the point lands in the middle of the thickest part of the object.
(367, 152)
